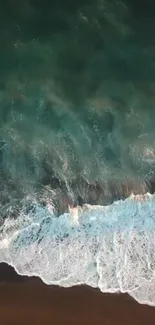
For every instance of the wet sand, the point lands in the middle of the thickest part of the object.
(27, 301)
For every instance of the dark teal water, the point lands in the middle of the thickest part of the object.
(77, 82)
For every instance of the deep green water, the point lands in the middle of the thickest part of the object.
(77, 91)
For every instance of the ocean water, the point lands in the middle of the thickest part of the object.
(77, 143)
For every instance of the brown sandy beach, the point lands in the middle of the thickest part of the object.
(27, 301)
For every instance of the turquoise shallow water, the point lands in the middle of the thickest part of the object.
(77, 127)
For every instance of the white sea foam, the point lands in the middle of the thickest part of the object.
(110, 247)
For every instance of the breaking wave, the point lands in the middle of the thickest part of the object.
(107, 247)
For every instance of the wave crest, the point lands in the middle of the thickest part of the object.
(106, 247)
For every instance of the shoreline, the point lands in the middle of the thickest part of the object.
(26, 301)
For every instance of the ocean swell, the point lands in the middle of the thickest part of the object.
(107, 247)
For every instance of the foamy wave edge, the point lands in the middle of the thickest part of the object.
(107, 247)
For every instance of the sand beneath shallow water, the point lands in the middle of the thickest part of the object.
(27, 301)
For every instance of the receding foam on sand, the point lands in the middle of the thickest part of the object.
(107, 247)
